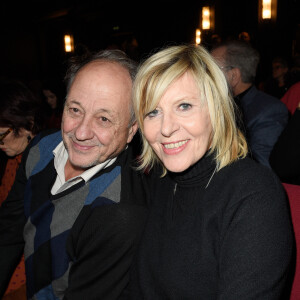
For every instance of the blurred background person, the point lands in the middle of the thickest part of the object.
(20, 120)
(263, 117)
(279, 81)
(53, 93)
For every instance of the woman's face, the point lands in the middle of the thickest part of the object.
(179, 129)
(51, 98)
(14, 145)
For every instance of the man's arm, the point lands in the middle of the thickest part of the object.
(101, 245)
(12, 220)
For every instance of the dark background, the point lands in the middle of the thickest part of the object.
(32, 31)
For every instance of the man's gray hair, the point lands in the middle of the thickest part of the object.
(76, 63)
(242, 55)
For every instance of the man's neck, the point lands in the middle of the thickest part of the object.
(71, 171)
(240, 88)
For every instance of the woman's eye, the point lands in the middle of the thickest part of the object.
(185, 106)
(152, 113)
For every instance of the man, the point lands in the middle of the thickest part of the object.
(77, 199)
(263, 116)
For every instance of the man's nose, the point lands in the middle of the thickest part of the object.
(84, 130)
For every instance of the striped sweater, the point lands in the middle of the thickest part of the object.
(107, 213)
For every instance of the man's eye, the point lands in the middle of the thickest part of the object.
(74, 110)
(105, 122)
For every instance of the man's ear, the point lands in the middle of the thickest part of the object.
(235, 76)
(132, 131)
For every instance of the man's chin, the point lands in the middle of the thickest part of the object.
(83, 166)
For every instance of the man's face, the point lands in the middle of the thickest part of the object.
(95, 123)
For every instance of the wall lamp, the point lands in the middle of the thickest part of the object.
(207, 18)
(69, 43)
(268, 10)
(198, 36)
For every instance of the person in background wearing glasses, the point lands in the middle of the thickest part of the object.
(20, 120)
(263, 117)
(279, 81)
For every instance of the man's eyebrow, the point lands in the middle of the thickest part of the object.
(104, 110)
(73, 102)
(100, 110)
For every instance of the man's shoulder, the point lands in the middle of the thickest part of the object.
(47, 135)
(259, 104)
(263, 99)
(40, 151)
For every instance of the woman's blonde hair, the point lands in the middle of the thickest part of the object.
(161, 69)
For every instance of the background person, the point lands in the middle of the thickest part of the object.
(53, 95)
(219, 222)
(20, 120)
(279, 82)
(263, 116)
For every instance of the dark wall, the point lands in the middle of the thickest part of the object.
(32, 31)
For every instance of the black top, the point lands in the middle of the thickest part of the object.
(223, 235)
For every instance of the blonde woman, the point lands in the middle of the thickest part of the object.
(219, 224)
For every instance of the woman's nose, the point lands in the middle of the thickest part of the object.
(169, 125)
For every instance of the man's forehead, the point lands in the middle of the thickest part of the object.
(219, 53)
(104, 66)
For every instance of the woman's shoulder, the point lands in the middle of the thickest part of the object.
(248, 169)
(248, 176)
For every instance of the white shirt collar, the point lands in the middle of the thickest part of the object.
(60, 158)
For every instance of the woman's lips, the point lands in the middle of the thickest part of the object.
(174, 147)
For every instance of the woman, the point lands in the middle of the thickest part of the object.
(219, 224)
(53, 95)
(20, 121)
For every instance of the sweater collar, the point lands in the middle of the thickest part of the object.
(199, 173)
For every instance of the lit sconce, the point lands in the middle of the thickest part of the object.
(266, 9)
(198, 36)
(69, 43)
(206, 17)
